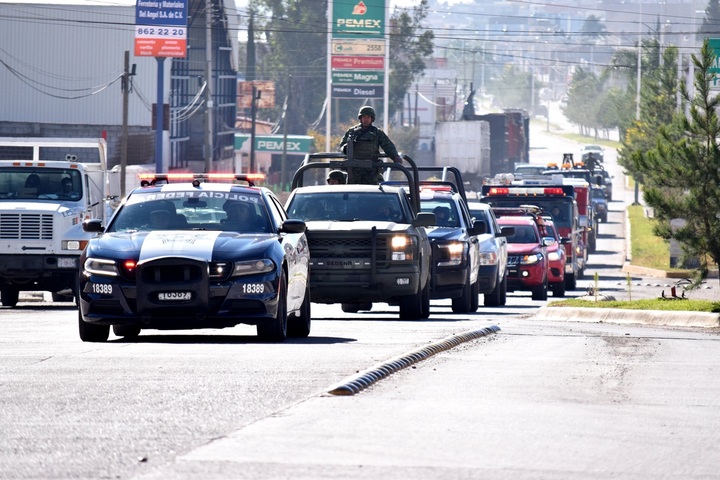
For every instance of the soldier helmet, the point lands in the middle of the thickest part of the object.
(337, 175)
(367, 110)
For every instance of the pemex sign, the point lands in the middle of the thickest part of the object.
(362, 19)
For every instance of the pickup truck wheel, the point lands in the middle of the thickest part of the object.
(570, 281)
(411, 306)
(126, 331)
(463, 303)
(540, 292)
(275, 330)
(9, 297)
(90, 332)
(558, 289)
(503, 290)
(494, 298)
(474, 297)
(426, 301)
(299, 323)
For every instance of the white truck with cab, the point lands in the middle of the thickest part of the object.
(48, 187)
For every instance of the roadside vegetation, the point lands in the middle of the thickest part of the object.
(684, 305)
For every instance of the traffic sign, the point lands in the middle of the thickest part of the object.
(364, 77)
(358, 91)
(358, 47)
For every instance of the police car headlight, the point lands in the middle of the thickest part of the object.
(554, 256)
(451, 254)
(101, 266)
(531, 259)
(253, 267)
(402, 247)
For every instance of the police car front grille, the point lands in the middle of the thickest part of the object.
(26, 226)
(344, 247)
(171, 273)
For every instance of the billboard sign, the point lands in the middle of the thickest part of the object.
(161, 28)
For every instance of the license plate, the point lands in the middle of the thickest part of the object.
(174, 296)
(67, 263)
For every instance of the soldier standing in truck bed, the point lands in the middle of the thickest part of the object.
(363, 142)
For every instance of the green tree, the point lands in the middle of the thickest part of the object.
(682, 171)
(410, 47)
(584, 95)
(711, 21)
(512, 88)
(593, 27)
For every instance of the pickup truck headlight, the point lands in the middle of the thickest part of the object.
(554, 256)
(531, 259)
(402, 247)
(488, 258)
(451, 254)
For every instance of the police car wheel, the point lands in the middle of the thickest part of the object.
(92, 333)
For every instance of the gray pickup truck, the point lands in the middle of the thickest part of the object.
(368, 243)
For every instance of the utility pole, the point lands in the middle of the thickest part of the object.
(124, 134)
(283, 163)
(208, 90)
(253, 113)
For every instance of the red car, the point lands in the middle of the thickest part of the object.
(556, 257)
(528, 265)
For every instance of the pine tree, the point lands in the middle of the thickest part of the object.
(711, 22)
(682, 172)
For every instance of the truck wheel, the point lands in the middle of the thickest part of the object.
(56, 297)
(475, 297)
(299, 323)
(503, 291)
(92, 333)
(9, 297)
(426, 301)
(411, 306)
(570, 281)
(463, 303)
(540, 292)
(494, 298)
(275, 330)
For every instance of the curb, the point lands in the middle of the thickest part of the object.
(625, 316)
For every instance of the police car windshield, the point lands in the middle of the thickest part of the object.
(192, 210)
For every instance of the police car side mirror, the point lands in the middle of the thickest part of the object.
(292, 225)
(93, 225)
(425, 219)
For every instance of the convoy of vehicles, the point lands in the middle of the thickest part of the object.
(368, 243)
(557, 199)
(173, 258)
(48, 187)
(402, 242)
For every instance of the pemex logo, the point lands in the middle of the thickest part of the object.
(360, 8)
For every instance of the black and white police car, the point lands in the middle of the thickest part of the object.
(196, 254)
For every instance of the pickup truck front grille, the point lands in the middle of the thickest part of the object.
(344, 247)
(513, 260)
(26, 226)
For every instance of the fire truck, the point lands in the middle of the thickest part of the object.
(555, 198)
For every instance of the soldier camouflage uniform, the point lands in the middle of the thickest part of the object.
(364, 143)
